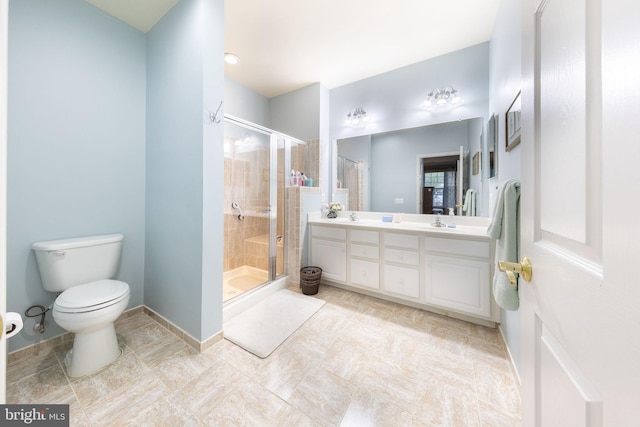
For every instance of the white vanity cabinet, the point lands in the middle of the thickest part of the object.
(329, 251)
(456, 275)
(444, 271)
(402, 265)
(364, 256)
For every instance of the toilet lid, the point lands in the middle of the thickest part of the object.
(92, 296)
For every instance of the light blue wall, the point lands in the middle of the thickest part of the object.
(506, 73)
(297, 113)
(76, 142)
(176, 277)
(244, 103)
(393, 100)
(394, 155)
(325, 142)
(213, 176)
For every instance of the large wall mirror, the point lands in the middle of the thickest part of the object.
(413, 170)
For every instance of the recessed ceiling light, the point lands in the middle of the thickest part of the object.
(230, 58)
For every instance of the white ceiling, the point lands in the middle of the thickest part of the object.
(284, 45)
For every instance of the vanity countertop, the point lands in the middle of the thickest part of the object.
(465, 226)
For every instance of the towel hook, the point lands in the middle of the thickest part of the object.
(214, 116)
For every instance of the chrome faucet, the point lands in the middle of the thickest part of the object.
(438, 222)
(353, 216)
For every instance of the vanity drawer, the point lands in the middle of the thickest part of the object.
(457, 247)
(329, 232)
(362, 251)
(401, 257)
(407, 241)
(364, 236)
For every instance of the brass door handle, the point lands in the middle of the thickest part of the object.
(524, 268)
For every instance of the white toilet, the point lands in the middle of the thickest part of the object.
(90, 302)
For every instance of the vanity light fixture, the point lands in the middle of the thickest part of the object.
(442, 97)
(230, 58)
(357, 117)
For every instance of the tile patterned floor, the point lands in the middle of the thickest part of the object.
(359, 361)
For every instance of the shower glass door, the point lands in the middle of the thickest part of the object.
(249, 208)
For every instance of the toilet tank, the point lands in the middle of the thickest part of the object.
(71, 262)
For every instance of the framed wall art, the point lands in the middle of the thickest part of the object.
(512, 136)
(476, 163)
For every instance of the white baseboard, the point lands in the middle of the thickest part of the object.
(512, 362)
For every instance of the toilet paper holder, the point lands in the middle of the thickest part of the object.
(11, 324)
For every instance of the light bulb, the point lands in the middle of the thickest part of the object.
(230, 58)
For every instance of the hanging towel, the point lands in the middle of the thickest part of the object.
(470, 202)
(505, 228)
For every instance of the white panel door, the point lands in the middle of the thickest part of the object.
(4, 16)
(580, 155)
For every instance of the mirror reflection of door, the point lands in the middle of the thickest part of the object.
(439, 184)
(427, 200)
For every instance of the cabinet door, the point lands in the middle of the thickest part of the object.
(459, 284)
(365, 273)
(331, 257)
(402, 281)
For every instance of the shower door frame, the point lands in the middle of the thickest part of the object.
(273, 191)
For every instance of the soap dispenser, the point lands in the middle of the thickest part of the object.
(452, 215)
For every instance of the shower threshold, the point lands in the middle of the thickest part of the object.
(242, 279)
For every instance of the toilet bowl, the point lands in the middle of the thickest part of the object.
(90, 301)
(89, 311)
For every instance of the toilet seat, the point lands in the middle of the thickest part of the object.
(91, 296)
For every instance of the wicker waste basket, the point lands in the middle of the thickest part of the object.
(310, 279)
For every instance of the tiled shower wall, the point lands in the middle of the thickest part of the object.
(306, 158)
(296, 225)
(246, 179)
(246, 183)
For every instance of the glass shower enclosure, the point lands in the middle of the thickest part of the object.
(255, 161)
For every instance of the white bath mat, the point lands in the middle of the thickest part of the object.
(263, 327)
